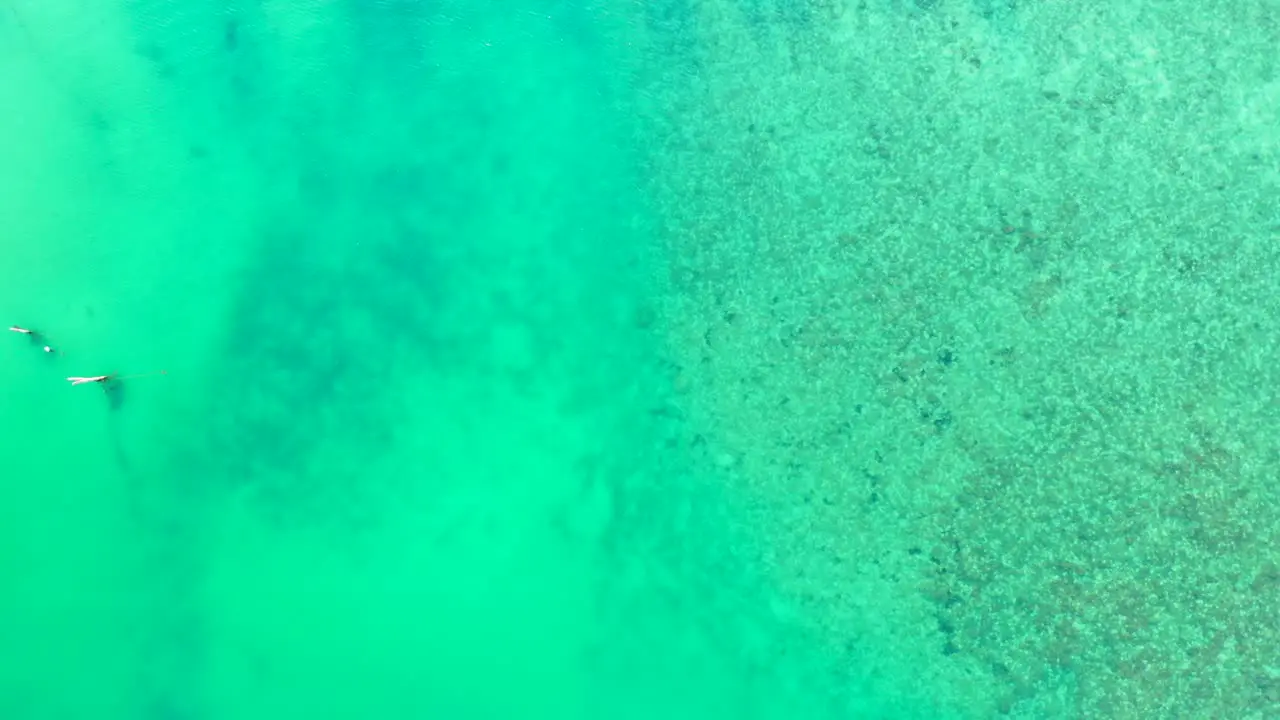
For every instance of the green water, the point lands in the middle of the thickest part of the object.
(609, 360)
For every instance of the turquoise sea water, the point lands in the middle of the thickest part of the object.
(608, 360)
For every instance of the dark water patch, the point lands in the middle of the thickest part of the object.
(313, 346)
(670, 26)
(789, 15)
(998, 12)
(231, 34)
(350, 289)
(114, 390)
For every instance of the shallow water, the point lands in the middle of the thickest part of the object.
(601, 360)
